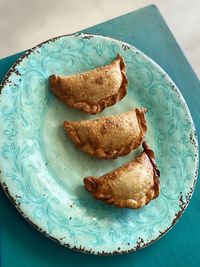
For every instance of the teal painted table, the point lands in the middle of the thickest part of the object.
(21, 245)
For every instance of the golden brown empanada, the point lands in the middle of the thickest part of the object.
(133, 185)
(109, 137)
(94, 90)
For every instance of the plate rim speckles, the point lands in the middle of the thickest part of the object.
(183, 204)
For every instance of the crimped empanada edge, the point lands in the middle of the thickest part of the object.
(101, 105)
(151, 156)
(100, 153)
(91, 184)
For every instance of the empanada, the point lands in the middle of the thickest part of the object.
(94, 90)
(109, 137)
(133, 185)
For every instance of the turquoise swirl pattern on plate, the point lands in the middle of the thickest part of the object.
(43, 172)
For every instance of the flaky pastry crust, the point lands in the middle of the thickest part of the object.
(133, 185)
(94, 90)
(109, 137)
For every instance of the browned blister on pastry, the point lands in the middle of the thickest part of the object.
(94, 90)
(109, 137)
(133, 185)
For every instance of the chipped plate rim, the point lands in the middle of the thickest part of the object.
(182, 205)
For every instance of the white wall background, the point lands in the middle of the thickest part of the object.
(25, 23)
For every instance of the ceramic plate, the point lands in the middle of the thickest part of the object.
(42, 171)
